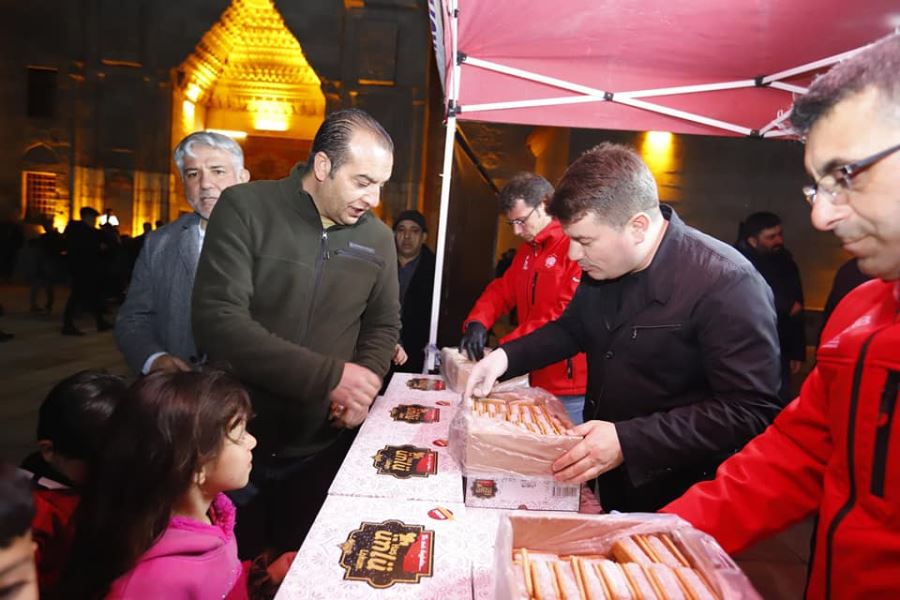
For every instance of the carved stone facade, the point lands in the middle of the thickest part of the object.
(95, 94)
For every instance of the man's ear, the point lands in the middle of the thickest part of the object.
(639, 226)
(244, 176)
(321, 166)
(46, 449)
(754, 242)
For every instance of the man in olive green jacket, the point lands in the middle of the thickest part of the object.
(296, 293)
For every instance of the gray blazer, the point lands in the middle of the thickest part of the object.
(156, 314)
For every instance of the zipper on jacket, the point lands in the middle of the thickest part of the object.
(636, 328)
(533, 287)
(841, 514)
(883, 432)
(320, 266)
(570, 368)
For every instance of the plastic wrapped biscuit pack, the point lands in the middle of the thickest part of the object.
(613, 557)
(526, 414)
(517, 433)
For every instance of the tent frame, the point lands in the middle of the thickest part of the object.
(633, 98)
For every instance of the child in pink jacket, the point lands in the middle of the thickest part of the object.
(153, 520)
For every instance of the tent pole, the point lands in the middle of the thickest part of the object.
(446, 173)
(825, 62)
(788, 87)
(441, 243)
(688, 89)
(531, 103)
(552, 81)
(775, 123)
(672, 112)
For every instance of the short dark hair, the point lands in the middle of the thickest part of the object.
(877, 66)
(334, 134)
(16, 507)
(74, 414)
(88, 212)
(531, 188)
(609, 180)
(753, 225)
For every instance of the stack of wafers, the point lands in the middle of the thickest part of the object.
(529, 415)
(639, 567)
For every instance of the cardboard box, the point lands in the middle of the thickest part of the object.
(366, 548)
(596, 537)
(483, 524)
(502, 444)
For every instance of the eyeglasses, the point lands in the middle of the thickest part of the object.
(521, 222)
(838, 179)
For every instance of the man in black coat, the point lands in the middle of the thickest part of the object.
(84, 251)
(415, 270)
(679, 331)
(761, 241)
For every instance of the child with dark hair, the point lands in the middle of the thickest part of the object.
(154, 521)
(17, 575)
(71, 423)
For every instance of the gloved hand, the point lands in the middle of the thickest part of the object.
(473, 340)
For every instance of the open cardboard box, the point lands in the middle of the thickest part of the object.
(506, 464)
(483, 444)
(595, 535)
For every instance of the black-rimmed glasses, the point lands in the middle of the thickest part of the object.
(839, 179)
(521, 222)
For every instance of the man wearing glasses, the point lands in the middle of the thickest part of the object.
(834, 451)
(539, 284)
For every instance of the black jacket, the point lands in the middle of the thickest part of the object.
(415, 313)
(688, 370)
(781, 273)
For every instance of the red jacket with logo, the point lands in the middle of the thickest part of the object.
(834, 452)
(539, 284)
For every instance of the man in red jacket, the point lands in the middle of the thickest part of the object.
(539, 284)
(834, 451)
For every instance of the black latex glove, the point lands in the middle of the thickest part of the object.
(473, 340)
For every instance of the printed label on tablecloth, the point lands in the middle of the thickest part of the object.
(416, 413)
(406, 461)
(382, 554)
(441, 514)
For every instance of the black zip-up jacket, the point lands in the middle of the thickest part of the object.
(285, 303)
(688, 369)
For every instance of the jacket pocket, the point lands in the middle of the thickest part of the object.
(362, 255)
(637, 329)
(883, 432)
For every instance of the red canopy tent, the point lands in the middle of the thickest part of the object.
(697, 67)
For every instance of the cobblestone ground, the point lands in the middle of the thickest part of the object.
(38, 357)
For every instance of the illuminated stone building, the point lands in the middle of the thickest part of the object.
(96, 93)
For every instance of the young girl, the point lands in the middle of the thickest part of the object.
(153, 521)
